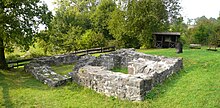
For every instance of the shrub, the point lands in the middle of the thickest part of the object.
(92, 39)
(34, 54)
(13, 57)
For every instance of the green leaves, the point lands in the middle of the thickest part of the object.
(92, 39)
(21, 20)
(81, 24)
(101, 17)
(135, 24)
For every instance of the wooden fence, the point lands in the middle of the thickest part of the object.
(93, 51)
(18, 63)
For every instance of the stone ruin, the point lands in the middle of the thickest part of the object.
(41, 70)
(144, 72)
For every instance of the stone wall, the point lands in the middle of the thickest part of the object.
(56, 60)
(159, 70)
(41, 70)
(124, 86)
(145, 71)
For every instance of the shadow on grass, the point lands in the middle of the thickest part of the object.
(7, 102)
(16, 79)
(22, 79)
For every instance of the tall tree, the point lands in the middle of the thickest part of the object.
(19, 22)
(116, 27)
(144, 17)
(178, 26)
(172, 7)
(204, 30)
(101, 17)
(133, 21)
(71, 21)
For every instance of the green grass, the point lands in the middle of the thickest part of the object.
(98, 54)
(63, 69)
(122, 70)
(197, 86)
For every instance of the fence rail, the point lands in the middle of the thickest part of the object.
(18, 63)
(22, 62)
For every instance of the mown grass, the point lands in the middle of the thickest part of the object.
(122, 70)
(196, 86)
(98, 54)
(63, 69)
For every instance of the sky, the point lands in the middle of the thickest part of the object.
(197, 8)
(190, 8)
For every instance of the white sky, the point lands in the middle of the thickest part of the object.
(191, 8)
(197, 8)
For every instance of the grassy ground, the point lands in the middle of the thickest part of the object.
(197, 86)
(96, 55)
(63, 69)
(122, 70)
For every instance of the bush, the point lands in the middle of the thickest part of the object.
(33, 54)
(92, 39)
(13, 57)
(116, 43)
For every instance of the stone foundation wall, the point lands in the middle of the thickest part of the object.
(56, 60)
(41, 70)
(158, 70)
(124, 86)
(145, 71)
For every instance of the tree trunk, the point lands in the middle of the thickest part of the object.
(3, 64)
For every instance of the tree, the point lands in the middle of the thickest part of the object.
(19, 22)
(70, 23)
(116, 27)
(144, 17)
(91, 39)
(172, 7)
(204, 30)
(133, 21)
(101, 17)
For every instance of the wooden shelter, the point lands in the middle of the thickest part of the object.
(166, 39)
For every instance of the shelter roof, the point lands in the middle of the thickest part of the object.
(167, 33)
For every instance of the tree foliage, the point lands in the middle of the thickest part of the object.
(91, 39)
(19, 22)
(206, 31)
(80, 24)
(71, 21)
(101, 16)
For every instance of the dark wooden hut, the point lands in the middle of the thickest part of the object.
(166, 39)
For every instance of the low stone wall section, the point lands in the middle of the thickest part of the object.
(56, 60)
(124, 86)
(158, 70)
(41, 70)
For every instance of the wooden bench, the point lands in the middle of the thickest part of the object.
(195, 46)
(212, 47)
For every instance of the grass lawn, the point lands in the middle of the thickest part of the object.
(122, 70)
(98, 54)
(197, 86)
(63, 69)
